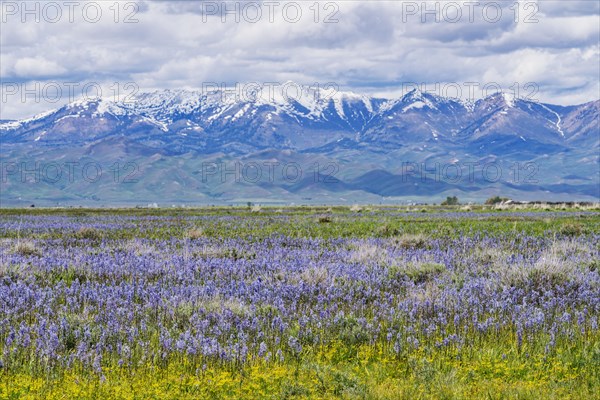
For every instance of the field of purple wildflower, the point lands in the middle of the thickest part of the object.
(297, 303)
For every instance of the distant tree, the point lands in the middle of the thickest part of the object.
(496, 200)
(450, 201)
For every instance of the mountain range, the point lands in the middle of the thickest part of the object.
(195, 147)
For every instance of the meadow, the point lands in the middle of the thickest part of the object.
(477, 302)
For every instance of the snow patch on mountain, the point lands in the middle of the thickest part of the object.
(557, 122)
(509, 99)
(17, 124)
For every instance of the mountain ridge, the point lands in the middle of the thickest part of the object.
(357, 133)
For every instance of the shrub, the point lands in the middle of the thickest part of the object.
(195, 233)
(571, 229)
(412, 241)
(450, 201)
(365, 253)
(89, 234)
(27, 249)
(315, 275)
(386, 231)
(352, 332)
(594, 265)
(420, 273)
(496, 200)
(356, 208)
(547, 273)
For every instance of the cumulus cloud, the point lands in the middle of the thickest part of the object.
(37, 67)
(371, 47)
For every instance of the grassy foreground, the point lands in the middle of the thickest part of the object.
(369, 303)
(359, 376)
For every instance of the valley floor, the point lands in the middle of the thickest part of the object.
(296, 303)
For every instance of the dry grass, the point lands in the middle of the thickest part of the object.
(89, 233)
(315, 275)
(555, 266)
(26, 249)
(366, 253)
(494, 256)
(139, 248)
(213, 251)
(569, 247)
(356, 208)
(195, 233)
(411, 241)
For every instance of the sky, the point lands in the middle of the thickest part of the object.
(52, 52)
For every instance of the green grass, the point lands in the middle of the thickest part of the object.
(303, 222)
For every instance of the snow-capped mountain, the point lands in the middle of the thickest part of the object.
(368, 139)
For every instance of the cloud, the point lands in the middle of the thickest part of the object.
(373, 47)
(36, 67)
